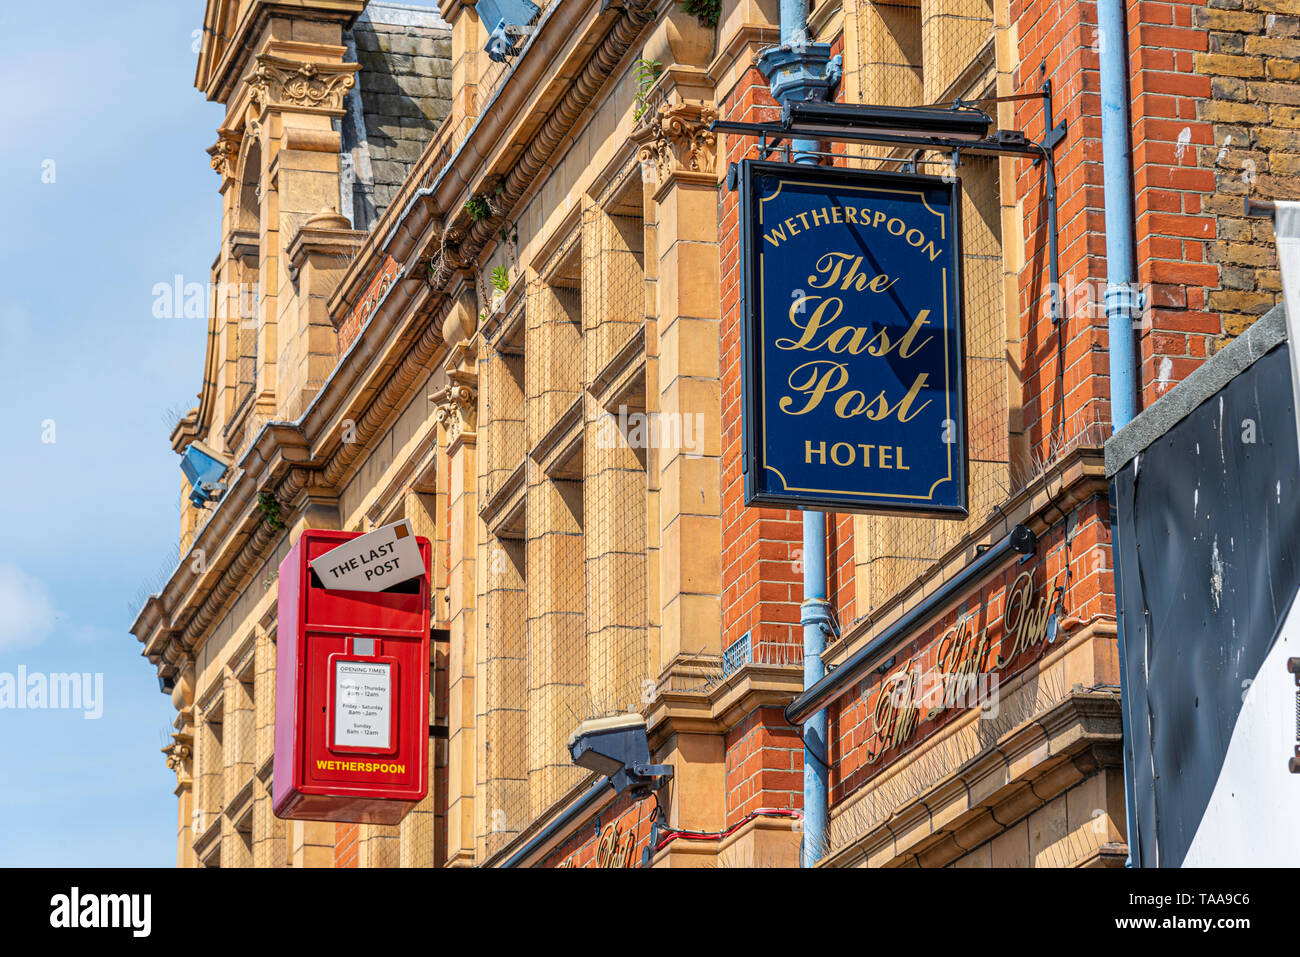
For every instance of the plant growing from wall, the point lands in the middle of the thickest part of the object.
(646, 72)
(706, 11)
(269, 509)
(477, 208)
(500, 279)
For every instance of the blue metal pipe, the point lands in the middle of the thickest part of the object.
(814, 615)
(794, 32)
(814, 611)
(1122, 298)
(794, 21)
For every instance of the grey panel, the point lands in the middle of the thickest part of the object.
(1205, 530)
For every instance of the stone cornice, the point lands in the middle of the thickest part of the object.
(750, 687)
(224, 57)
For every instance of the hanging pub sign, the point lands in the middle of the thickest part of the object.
(854, 395)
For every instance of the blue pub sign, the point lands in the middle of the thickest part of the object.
(854, 393)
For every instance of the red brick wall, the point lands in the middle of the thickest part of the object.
(1088, 593)
(627, 815)
(1064, 370)
(1174, 230)
(345, 845)
(839, 551)
(764, 764)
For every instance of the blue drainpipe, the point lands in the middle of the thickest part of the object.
(814, 615)
(799, 70)
(1123, 301)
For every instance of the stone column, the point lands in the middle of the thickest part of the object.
(675, 141)
(417, 828)
(180, 759)
(292, 105)
(467, 61)
(311, 843)
(318, 256)
(457, 414)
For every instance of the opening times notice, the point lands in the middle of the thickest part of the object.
(363, 705)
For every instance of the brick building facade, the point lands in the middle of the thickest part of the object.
(525, 337)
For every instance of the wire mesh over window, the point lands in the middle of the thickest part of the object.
(565, 595)
(619, 437)
(914, 53)
(556, 633)
(210, 784)
(246, 362)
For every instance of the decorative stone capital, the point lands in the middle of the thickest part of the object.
(224, 155)
(675, 139)
(457, 401)
(178, 754)
(278, 83)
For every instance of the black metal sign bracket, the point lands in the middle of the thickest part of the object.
(852, 128)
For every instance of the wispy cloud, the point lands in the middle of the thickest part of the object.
(26, 612)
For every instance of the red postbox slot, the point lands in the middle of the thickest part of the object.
(400, 609)
(352, 693)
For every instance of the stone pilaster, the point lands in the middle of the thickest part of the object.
(292, 100)
(675, 140)
(180, 759)
(681, 158)
(457, 405)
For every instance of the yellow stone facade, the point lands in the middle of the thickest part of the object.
(364, 366)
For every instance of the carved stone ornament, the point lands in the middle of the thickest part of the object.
(225, 155)
(457, 409)
(177, 754)
(457, 402)
(277, 82)
(675, 139)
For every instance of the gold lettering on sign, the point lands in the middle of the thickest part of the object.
(612, 849)
(1025, 620)
(815, 316)
(966, 671)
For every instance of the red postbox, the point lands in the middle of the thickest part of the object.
(351, 692)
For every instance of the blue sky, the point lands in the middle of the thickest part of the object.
(100, 96)
(105, 92)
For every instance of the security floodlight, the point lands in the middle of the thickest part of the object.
(509, 22)
(204, 469)
(965, 123)
(617, 748)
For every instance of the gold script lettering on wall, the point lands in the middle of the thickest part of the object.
(612, 850)
(967, 665)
